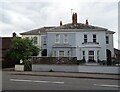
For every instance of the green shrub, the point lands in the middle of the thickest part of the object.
(28, 65)
(82, 61)
(103, 62)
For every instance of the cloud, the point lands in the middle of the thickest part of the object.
(25, 16)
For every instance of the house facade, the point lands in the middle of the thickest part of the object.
(39, 38)
(80, 40)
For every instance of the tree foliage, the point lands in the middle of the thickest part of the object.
(22, 49)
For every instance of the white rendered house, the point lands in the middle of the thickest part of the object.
(74, 39)
(39, 38)
(80, 40)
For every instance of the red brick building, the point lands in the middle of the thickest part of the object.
(6, 42)
(117, 54)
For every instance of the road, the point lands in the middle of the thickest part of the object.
(24, 82)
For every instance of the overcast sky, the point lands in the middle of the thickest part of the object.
(24, 16)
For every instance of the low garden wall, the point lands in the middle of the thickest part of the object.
(99, 69)
(77, 68)
(62, 68)
(69, 64)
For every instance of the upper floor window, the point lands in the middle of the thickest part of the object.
(85, 38)
(57, 38)
(44, 41)
(65, 38)
(94, 37)
(107, 39)
(35, 39)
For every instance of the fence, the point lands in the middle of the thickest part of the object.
(54, 60)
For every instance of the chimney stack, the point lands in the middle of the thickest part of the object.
(14, 34)
(74, 18)
(60, 23)
(87, 22)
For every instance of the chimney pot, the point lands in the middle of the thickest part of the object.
(60, 23)
(74, 18)
(14, 34)
(87, 22)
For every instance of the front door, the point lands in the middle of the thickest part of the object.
(44, 52)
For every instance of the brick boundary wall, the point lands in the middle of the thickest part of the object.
(54, 60)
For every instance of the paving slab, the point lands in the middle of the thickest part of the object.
(70, 75)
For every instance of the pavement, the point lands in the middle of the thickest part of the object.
(68, 74)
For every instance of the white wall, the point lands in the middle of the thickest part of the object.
(110, 45)
(77, 68)
(100, 38)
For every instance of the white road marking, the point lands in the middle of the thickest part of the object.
(105, 85)
(20, 80)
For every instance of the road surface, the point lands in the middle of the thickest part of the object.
(24, 82)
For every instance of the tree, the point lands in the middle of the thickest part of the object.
(22, 49)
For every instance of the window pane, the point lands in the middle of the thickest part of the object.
(35, 40)
(65, 38)
(61, 53)
(68, 53)
(83, 52)
(94, 40)
(57, 39)
(55, 53)
(91, 52)
(85, 38)
(94, 36)
(107, 40)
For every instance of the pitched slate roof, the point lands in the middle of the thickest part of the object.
(78, 26)
(36, 31)
(63, 28)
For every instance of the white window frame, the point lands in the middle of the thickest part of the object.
(69, 53)
(55, 53)
(95, 38)
(35, 41)
(57, 38)
(65, 38)
(83, 52)
(91, 55)
(85, 38)
(63, 53)
(107, 39)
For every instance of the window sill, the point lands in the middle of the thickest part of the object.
(90, 43)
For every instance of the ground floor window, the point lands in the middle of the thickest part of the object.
(91, 56)
(68, 53)
(83, 54)
(61, 53)
(55, 53)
